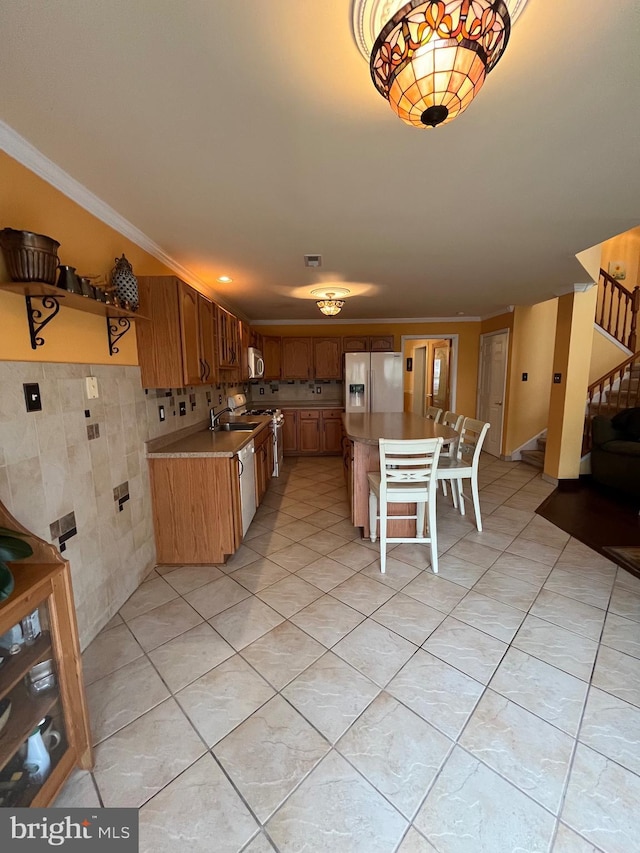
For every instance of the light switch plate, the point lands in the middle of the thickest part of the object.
(92, 387)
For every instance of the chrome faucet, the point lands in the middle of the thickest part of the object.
(213, 418)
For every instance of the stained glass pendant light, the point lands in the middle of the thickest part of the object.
(431, 58)
(330, 304)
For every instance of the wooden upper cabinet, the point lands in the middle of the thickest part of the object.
(368, 343)
(327, 358)
(255, 339)
(382, 343)
(272, 354)
(297, 358)
(207, 319)
(245, 343)
(228, 339)
(169, 347)
(192, 369)
(355, 344)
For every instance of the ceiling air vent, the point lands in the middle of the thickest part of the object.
(313, 260)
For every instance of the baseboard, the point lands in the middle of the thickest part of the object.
(549, 479)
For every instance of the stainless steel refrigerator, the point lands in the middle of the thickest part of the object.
(373, 382)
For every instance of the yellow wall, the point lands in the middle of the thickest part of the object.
(468, 341)
(604, 356)
(625, 247)
(572, 357)
(532, 348)
(29, 203)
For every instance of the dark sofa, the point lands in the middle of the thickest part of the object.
(615, 454)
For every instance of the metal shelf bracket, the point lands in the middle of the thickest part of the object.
(116, 328)
(39, 317)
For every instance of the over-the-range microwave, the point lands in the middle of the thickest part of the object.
(256, 363)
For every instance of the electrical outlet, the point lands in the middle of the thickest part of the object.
(262, 392)
(318, 389)
(219, 399)
(183, 409)
(161, 413)
(91, 383)
(32, 397)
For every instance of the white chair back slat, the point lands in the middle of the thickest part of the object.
(408, 474)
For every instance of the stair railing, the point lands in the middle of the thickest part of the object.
(617, 310)
(606, 395)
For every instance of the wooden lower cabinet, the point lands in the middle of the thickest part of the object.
(42, 584)
(196, 508)
(310, 441)
(290, 431)
(312, 432)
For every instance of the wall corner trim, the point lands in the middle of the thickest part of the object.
(575, 288)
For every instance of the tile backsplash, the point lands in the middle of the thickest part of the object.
(52, 465)
(296, 391)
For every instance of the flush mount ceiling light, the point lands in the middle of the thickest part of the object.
(225, 279)
(430, 58)
(331, 301)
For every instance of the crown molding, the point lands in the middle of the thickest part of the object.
(28, 155)
(380, 320)
(508, 309)
(575, 288)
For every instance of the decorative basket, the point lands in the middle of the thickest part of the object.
(29, 256)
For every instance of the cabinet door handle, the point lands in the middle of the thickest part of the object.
(202, 373)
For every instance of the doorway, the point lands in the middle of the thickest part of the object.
(430, 372)
(492, 383)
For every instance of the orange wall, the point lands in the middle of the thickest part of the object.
(29, 203)
(468, 341)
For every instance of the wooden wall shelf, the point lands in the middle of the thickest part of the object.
(118, 319)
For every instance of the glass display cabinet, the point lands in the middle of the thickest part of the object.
(44, 725)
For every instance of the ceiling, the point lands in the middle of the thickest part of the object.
(240, 136)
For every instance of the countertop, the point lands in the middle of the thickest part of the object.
(200, 441)
(368, 428)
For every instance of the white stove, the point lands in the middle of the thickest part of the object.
(238, 405)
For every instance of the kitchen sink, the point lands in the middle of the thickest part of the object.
(245, 426)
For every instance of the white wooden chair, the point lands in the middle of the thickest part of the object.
(464, 465)
(450, 448)
(407, 475)
(433, 413)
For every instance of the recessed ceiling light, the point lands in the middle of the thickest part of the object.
(225, 279)
(460, 313)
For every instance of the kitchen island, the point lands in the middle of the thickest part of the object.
(361, 434)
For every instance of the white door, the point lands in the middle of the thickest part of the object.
(386, 382)
(419, 380)
(491, 387)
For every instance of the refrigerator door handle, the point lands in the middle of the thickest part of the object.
(372, 385)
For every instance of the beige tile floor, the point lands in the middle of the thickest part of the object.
(295, 699)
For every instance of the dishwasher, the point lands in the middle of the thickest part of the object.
(247, 473)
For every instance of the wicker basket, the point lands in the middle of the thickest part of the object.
(29, 256)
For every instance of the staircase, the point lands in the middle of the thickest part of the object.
(535, 457)
(619, 389)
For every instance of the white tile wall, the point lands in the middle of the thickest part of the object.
(48, 468)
